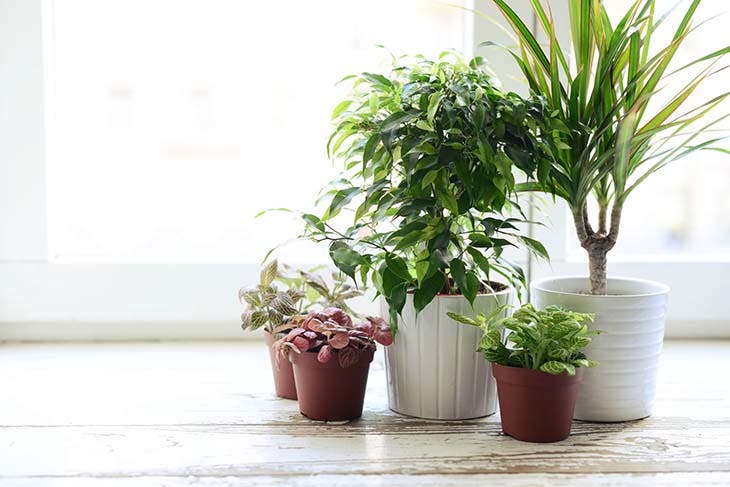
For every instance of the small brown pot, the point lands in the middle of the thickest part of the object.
(536, 406)
(283, 373)
(328, 392)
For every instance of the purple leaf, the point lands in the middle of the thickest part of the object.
(325, 354)
(338, 315)
(339, 340)
(301, 343)
(381, 330)
(348, 357)
(294, 333)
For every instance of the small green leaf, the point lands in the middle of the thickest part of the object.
(341, 107)
(462, 319)
(424, 125)
(433, 105)
(428, 289)
(398, 266)
(268, 273)
(556, 368)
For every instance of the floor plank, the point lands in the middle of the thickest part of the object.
(203, 414)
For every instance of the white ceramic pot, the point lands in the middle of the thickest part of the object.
(433, 368)
(631, 318)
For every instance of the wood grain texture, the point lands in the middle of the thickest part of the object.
(203, 414)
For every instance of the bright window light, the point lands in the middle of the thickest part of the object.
(173, 123)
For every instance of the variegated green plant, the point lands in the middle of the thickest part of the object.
(318, 291)
(268, 306)
(607, 132)
(283, 293)
(550, 340)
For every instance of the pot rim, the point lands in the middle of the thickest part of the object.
(302, 358)
(535, 378)
(660, 288)
(503, 292)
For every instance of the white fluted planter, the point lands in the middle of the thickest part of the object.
(433, 368)
(631, 318)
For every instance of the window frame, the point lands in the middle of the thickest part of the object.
(43, 300)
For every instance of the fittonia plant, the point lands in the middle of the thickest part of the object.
(550, 340)
(331, 333)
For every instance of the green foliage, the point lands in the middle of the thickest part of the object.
(429, 154)
(605, 131)
(274, 307)
(318, 292)
(550, 340)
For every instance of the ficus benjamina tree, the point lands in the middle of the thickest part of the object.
(608, 136)
(429, 153)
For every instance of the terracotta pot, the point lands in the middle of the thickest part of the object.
(536, 406)
(328, 392)
(283, 373)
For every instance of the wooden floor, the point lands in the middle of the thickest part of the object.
(203, 414)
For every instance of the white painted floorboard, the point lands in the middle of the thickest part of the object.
(183, 414)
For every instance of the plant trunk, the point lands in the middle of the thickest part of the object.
(597, 268)
(597, 244)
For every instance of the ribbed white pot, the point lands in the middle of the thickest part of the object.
(631, 318)
(433, 368)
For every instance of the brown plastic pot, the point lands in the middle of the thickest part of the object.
(283, 373)
(536, 406)
(328, 392)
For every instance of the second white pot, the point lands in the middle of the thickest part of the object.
(631, 319)
(433, 368)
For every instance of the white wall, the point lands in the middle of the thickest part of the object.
(22, 182)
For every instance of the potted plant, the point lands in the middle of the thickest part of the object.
(614, 121)
(331, 358)
(274, 308)
(429, 151)
(538, 370)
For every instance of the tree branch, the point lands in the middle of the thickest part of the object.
(586, 223)
(580, 227)
(602, 210)
(615, 223)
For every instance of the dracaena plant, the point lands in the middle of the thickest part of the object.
(273, 306)
(548, 340)
(606, 132)
(331, 334)
(428, 151)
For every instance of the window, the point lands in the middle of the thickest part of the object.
(174, 123)
(142, 136)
